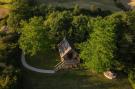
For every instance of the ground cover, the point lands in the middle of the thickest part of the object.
(7, 1)
(67, 79)
(72, 79)
(44, 61)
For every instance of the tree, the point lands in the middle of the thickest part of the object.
(13, 21)
(23, 8)
(98, 51)
(34, 37)
(125, 38)
(58, 24)
(80, 29)
(76, 10)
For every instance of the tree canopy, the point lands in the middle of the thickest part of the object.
(33, 37)
(98, 51)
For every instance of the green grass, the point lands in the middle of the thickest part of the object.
(5, 9)
(7, 6)
(67, 79)
(133, 84)
(45, 61)
(72, 79)
(7, 1)
(103, 4)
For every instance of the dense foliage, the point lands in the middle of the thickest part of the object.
(58, 24)
(131, 76)
(9, 57)
(34, 37)
(98, 51)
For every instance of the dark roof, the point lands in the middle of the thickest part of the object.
(64, 47)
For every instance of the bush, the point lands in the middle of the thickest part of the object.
(80, 29)
(9, 77)
(58, 24)
(131, 77)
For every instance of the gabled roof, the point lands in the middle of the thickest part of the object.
(64, 47)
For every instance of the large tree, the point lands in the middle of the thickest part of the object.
(98, 51)
(80, 29)
(58, 24)
(34, 37)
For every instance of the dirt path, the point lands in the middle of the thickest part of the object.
(4, 12)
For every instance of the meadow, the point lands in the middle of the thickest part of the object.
(103, 4)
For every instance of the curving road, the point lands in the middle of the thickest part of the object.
(27, 66)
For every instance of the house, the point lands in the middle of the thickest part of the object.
(69, 57)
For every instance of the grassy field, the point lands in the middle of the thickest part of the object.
(6, 6)
(7, 1)
(67, 79)
(72, 79)
(103, 4)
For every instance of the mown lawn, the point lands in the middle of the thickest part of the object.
(72, 79)
(6, 6)
(67, 79)
(45, 60)
(7, 1)
(103, 4)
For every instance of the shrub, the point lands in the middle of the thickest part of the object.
(131, 77)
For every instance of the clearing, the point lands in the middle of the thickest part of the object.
(72, 79)
(66, 79)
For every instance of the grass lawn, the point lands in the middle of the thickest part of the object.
(7, 1)
(44, 61)
(66, 79)
(72, 79)
(6, 6)
(103, 4)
